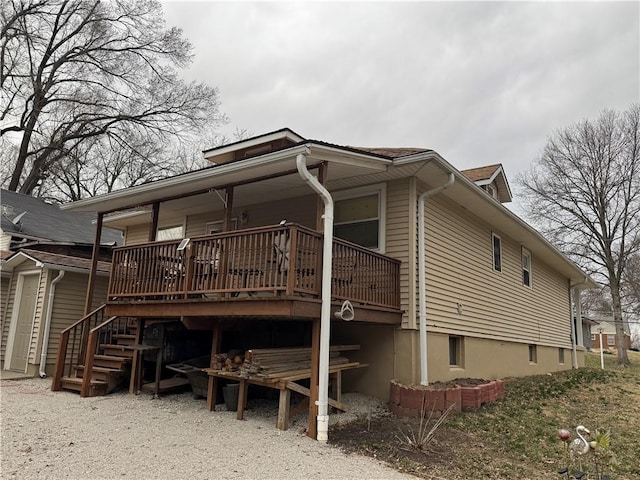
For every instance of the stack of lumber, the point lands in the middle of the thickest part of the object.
(227, 362)
(278, 362)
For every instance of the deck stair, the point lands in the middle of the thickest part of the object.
(93, 358)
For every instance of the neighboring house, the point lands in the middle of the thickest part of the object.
(208, 249)
(47, 259)
(610, 339)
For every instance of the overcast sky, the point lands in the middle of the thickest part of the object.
(478, 82)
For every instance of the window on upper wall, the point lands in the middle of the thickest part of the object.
(170, 233)
(358, 216)
(526, 267)
(455, 351)
(497, 252)
(611, 340)
(216, 227)
(593, 337)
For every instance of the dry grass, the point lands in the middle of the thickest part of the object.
(516, 438)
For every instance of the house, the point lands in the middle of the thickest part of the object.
(606, 327)
(444, 281)
(45, 268)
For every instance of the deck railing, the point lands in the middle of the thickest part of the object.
(73, 346)
(281, 260)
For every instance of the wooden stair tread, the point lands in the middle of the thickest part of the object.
(101, 369)
(78, 380)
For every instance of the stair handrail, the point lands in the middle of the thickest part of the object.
(92, 347)
(61, 357)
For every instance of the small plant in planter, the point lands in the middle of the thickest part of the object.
(596, 446)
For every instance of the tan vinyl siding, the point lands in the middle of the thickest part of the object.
(300, 210)
(136, 234)
(398, 237)
(5, 242)
(492, 304)
(68, 306)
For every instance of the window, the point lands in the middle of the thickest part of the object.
(455, 351)
(526, 267)
(561, 355)
(215, 227)
(533, 354)
(611, 340)
(593, 337)
(497, 252)
(358, 216)
(491, 190)
(170, 233)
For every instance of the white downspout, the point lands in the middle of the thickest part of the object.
(325, 315)
(47, 324)
(422, 281)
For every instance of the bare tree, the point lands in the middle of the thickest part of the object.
(81, 73)
(584, 191)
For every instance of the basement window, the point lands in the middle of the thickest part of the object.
(561, 355)
(497, 252)
(455, 351)
(533, 354)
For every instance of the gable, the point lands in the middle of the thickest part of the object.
(491, 179)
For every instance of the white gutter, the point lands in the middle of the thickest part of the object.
(422, 281)
(47, 324)
(325, 315)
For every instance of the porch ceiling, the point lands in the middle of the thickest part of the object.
(254, 179)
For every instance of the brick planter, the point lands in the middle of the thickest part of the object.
(408, 400)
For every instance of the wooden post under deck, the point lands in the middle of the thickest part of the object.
(215, 348)
(312, 430)
(94, 265)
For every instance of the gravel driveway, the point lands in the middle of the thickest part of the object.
(55, 435)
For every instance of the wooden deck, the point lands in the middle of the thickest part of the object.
(268, 271)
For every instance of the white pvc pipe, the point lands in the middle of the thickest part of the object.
(574, 319)
(47, 324)
(325, 315)
(422, 280)
(601, 352)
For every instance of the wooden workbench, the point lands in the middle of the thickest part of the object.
(286, 383)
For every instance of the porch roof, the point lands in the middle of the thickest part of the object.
(55, 261)
(273, 175)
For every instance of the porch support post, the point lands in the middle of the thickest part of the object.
(215, 348)
(153, 228)
(323, 170)
(312, 430)
(228, 210)
(94, 265)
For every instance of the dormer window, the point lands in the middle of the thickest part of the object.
(492, 191)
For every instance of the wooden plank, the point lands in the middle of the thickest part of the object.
(306, 392)
(282, 423)
(166, 385)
